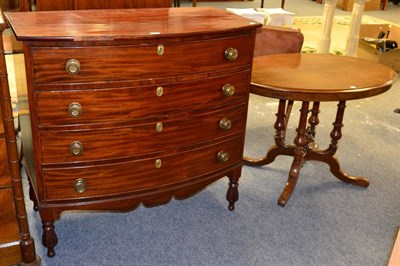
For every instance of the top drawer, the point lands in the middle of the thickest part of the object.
(132, 62)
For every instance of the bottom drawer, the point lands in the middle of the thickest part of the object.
(140, 175)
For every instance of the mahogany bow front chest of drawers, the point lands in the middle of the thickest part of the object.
(128, 107)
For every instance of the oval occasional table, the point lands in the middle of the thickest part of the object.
(313, 78)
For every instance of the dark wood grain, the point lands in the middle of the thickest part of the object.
(42, 5)
(8, 218)
(141, 175)
(5, 180)
(137, 103)
(153, 23)
(138, 140)
(299, 77)
(136, 62)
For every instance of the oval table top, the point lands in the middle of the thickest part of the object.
(319, 77)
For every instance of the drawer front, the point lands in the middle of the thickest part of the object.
(124, 104)
(5, 176)
(9, 231)
(113, 143)
(105, 63)
(137, 176)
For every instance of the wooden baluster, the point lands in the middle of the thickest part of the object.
(313, 121)
(325, 36)
(27, 243)
(354, 29)
(336, 133)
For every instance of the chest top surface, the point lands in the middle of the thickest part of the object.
(123, 24)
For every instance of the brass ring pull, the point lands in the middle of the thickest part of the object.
(76, 148)
(160, 49)
(80, 185)
(75, 109)
(73, 66)
(225, 124)
(159, 127)
(231, 54)
(223, 156)
(159, 91)
(228, 90)
(157, 163)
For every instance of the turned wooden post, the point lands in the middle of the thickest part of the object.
(27, 243)
(325, 36)
(354, 31)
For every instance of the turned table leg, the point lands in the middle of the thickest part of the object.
(299, 154)
(313, 121)
(327, 155)
(305, 147)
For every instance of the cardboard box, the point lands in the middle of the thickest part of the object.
(348, 5)
(369, 51)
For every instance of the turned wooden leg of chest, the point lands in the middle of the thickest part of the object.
(232, 194)
(49, 238)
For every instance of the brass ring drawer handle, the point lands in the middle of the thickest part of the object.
(231, 54)
(158, 163)
(223, 156)
(160, 91)
(159, 127)
(76, 148)
(225, 124)
(80, 185)
(73, 66)
(75, 109)
(228, 90)
(160, 49)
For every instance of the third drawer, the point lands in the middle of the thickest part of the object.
(136, 140)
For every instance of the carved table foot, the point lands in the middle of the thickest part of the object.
(334, 166)
(299, 155)
(354, 180)
(287, 191)
(273, 152)
(49, 238)
(280, 147)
